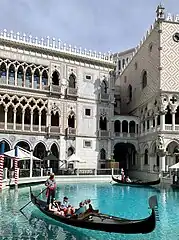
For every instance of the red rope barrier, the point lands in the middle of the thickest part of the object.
(1, 170)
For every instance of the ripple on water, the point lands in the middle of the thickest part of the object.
(116, 200)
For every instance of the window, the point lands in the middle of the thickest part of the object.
(146, 157)
(129, 93)
(88, 77)
(87, 112)
(144, 79)
(87, 144)
(103, 154)
(150, 47)
(135, 65)
(125, 79)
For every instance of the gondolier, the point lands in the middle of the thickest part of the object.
(51, 188)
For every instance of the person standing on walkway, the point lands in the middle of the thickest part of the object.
(51, 188)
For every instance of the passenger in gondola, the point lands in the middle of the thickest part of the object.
(128, 179)
(122, 175)
(175, 179)
(67, 207)
(81, 209)
(54, 207)
(51, 187)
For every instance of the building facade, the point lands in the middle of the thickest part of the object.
(149, 90)
(62, 100)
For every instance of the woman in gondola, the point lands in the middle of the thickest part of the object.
(54, 207)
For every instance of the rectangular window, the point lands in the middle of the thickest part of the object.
(87, 144)
(87, 112)
(88, 77)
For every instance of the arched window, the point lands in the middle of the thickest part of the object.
(11, 75)
(123, 63)
(44, 78)
(55, 78)
(36, 79)
(103, 154)
(3, 72)
(130, 92)
(72, 81)
(146, 157)
(117, 126)
(20, 76)
(104, 87)
(103, 123)
(144, 79)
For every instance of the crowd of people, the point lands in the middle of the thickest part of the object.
(64, 208)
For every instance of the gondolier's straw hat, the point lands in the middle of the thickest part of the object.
(52, 174)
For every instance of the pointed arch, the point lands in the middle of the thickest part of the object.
(55, 117)
(44, 78)
(11, 77)
(3, 73)
(28, 77)
(36, 79)
(104, 87)
(20, 76)
(56, 78)
(103, 123)
(102, 154)
(72, 81)
(144, 79)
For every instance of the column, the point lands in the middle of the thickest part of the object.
(7, 76)
(15, 82)
(14, 124)
(31, 162)
(40, 121)
(162, 121)
(156, 121)
(5, 118)
(40, 80)
(32, 79)
(173, 120)
(31, 120)
(162, 164)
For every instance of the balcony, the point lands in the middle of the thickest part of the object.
(53, 131)
(72, 92)
(70, 132)
(104, 97)
(125, 135)
(103, 134)
(55, 89)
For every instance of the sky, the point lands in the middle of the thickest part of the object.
(98, 25)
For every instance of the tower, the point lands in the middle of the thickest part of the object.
(160, 12)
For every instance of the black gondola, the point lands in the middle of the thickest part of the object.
(136, 183)
(104, 222)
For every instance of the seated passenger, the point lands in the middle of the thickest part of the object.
(81, 209)
(119, 177)
(128, 179)
(67, 207)
(54, 207)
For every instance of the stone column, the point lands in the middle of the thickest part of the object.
(15, 82)
(31, 120)
(31, 162)
(173, 120)
(162, 121)
(23, 115)
(14, 124)
(32, 79)
(40, 121)
(40, 80)
(162, 163)
(7, 76)
(156, 116)
(5, 118)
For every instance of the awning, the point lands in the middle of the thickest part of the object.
(74, 158)
(22, 154)
(175, 166)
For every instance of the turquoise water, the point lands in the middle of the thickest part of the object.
(116, 200)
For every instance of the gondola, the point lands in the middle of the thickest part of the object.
(136, 183)
(103, 222)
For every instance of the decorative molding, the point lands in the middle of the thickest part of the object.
(54, 45)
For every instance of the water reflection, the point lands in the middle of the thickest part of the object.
(50, 229)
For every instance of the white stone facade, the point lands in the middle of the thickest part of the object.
(98, 106)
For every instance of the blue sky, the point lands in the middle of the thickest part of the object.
(100, 25)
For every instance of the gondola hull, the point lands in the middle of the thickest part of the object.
(102, 222)
(136, 183)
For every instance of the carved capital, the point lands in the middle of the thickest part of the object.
(173, 108)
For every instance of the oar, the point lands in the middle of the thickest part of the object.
(31, 201)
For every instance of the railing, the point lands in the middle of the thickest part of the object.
(25, 173)
(126, 135)
(71, 131)
(55, 89)
(72, 92)
(103, 133)
(168, 127)
(104, 97)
